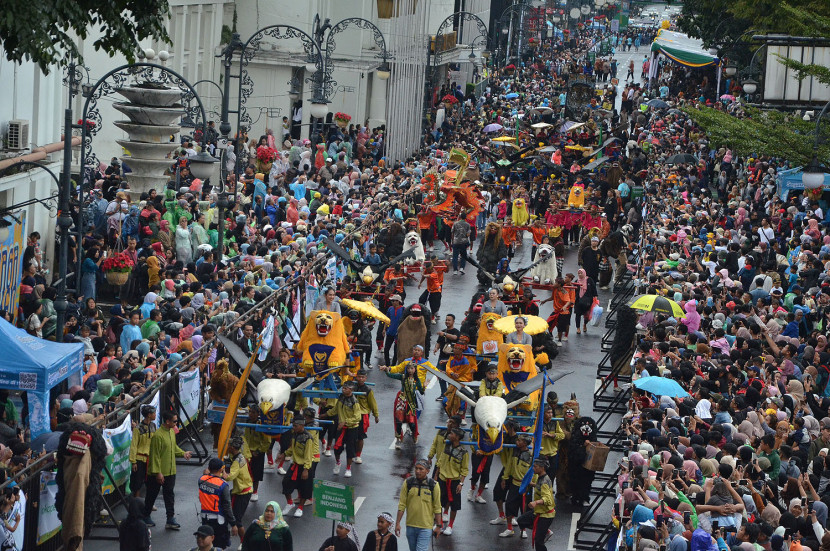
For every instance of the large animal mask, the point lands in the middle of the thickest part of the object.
(515, 358)
(412, 239)
(323, 322)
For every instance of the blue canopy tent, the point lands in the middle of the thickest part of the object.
(36, 366)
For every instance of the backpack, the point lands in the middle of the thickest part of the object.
(430, 483)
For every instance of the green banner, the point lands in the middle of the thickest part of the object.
(333, 501)
(118, 462)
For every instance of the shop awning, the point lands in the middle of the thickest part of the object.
(684, 50)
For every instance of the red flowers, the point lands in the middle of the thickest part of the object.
(449, 98)
(88, 123)
(119, 263)
(342, 117)
(265, 154)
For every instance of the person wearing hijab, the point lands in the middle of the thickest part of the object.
(133, 533)
(345, 539)
(269, 532)
(586, 290)
(153, 269)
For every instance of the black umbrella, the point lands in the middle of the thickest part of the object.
(657, 103)
(682, 159)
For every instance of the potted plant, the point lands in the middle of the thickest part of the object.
(342, 119)
(265, 157)
(450, 99)
(117, 268)
(509, 69)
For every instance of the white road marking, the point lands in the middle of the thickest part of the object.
(357, 503)
(597, 384)
(392, 445)
(572, 534)
(432, 382)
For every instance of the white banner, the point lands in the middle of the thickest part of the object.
(19, 509)
(156, 403)
(267, 339)
(48, 523)
(189, 388)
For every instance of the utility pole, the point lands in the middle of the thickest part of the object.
(225, 130)
(64, 218)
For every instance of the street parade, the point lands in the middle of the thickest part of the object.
(575, 316)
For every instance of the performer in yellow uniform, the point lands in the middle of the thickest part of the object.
(140, 448)
(542, 506)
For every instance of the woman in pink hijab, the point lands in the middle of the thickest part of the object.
(692, 319)
(740, 217)
(812, 229)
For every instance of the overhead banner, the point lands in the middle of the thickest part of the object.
(118, 462)
(48, 523)
(189, 388)
(12, 245)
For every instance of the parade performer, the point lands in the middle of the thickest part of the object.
(368, 405)
(489, 339)
(569, 411)
(460, 369)
(348, 412)
(516, 365)
(511, 480)
(542, 507)
(407, 408)
(300, 476)
(452, 470)
(509, 436)
(323, 345)
(482, 459)
(584, 431)
(412, 331)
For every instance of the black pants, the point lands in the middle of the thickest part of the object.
(293, 481)
(499, 493)
(221, 532)
(434, 301)
(138, 477)
(389, 345)
(347, 440)
(239, 504)
(481, 469)
(514, 503)
(540, 527)
(168, 491)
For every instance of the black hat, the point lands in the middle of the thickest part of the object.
(203, 530)
(362, 371)
(298, 420)
(215, 464)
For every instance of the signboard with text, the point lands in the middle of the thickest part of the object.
(333, 501)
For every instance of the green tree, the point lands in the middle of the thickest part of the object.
(41, 31)
(771, 133)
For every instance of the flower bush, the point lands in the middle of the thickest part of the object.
(343, 117)
(265, 154)
(449, 98)
(119, 263)
(88, 123)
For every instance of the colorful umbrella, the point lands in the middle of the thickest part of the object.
(661, 386)
(511, 95)
(366, 308)
(657, 304)
(495, 127)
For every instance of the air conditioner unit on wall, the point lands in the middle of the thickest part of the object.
(18, 137)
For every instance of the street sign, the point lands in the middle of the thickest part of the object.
(333, 501)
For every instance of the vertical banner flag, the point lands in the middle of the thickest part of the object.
(118, 462)
(12, 245)
(189, 387)
(48, 523)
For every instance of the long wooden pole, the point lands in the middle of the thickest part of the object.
(229, 422)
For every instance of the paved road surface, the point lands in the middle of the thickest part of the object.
(377, 481)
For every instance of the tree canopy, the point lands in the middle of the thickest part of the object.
(42, 31)
(758, 132)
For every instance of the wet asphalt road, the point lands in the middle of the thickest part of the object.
(378, 480)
